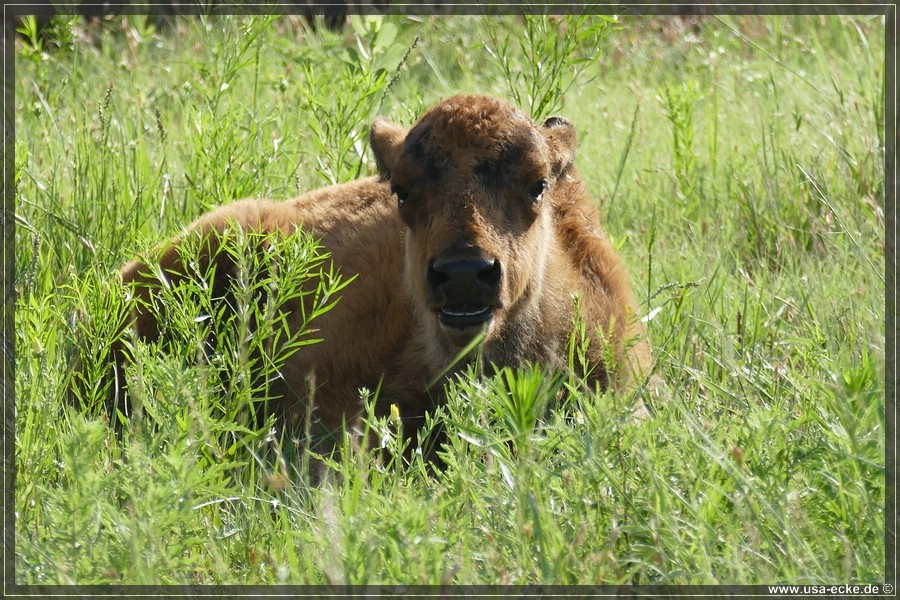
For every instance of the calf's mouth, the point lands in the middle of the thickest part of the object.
(462, 323)
(465, 315)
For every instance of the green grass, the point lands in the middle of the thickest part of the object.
(738, 163)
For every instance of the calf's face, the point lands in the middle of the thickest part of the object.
(473, 180)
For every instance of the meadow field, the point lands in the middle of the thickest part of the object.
(738, 163)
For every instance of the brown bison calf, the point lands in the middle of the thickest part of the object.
(478, 224)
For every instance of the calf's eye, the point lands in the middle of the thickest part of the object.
(536, 190)
(402, 194)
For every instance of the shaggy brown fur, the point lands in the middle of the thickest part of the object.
(494, 233)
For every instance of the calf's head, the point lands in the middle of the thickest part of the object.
(473, 181)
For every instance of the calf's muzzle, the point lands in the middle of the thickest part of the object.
(465, 291)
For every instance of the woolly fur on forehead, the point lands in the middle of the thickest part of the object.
(478, 134)
(465, 123)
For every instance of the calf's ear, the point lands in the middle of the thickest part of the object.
(561, 138)
(386, 139)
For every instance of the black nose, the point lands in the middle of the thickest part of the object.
(470, 281)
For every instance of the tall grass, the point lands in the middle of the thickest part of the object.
(737, 163)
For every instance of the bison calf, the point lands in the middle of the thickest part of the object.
(478, 225)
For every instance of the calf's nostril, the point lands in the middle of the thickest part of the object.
(436, 275)
(490, 274)
(468, 280)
